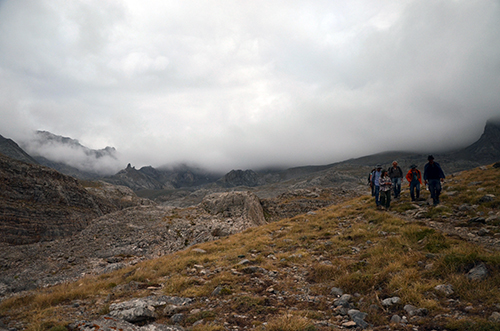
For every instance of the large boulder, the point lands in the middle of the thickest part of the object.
(242, 206)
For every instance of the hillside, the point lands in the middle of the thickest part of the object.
(8, 147)
(38, 203)
(347, 265)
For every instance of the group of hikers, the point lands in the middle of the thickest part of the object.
(382, 181)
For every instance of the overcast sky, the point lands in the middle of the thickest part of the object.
(243, 84)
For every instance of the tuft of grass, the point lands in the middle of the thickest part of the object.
(289, 322)
(474, 324)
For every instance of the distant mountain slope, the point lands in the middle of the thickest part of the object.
(149, 178)
(71, 158)
(9, 148)
(486, 149)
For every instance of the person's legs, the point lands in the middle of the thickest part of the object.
(397, 187)
(435, 189)
(412, 191)
(417, 189)
(377, 195)
(388, 200)
(438, 191)
(383, 197)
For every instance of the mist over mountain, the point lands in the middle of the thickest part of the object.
(70, 157)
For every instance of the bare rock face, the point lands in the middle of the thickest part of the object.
(235, 205)
(114, 197)
(239, 178)
(39, 203)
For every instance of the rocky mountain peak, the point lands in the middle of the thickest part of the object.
(11, 149)
(487, 148)
(240, 178)
(46, 138)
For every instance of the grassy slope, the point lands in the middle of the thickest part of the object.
(366, 252)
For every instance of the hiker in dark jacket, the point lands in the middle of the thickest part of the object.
(396, 175)
(433, 176)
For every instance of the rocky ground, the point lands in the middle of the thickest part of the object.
(123, 238)
(333, 311)
(143, 232)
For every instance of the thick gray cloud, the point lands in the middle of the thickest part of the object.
(247, 84)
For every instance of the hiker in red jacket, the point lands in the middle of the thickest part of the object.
(414, 177)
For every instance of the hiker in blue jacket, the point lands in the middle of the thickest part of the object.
(375, 182)
(433, 176)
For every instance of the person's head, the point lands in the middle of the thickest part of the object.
(430, 158)
(378, 167)
(394, 164)
(413, 167)
(384, 173)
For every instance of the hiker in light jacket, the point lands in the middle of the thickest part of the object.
(375, 183)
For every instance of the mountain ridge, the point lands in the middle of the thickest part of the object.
(10, 148)
(484, 151)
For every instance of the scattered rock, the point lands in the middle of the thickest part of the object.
(177, 318)
(494, 317)
(103, 323)
(395, 319)
(487, 198)
(349, 324)
(478, 273)
(336, 291)
(476, 220)
(343, 301)
(483, 232)
(446, 289)
(391, 301)
(414, 311)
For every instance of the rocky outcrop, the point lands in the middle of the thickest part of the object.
(136, 180)
(240, 205)
(38, 203)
